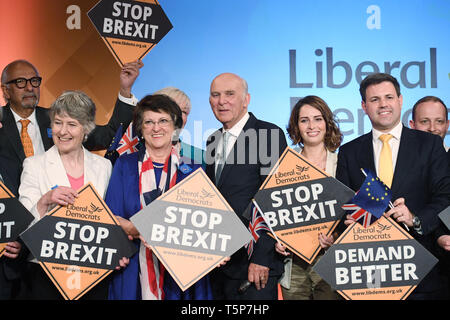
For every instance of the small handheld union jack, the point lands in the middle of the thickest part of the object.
(255, 226)
(129, 141)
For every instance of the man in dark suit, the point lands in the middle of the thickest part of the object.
(419, 180)
(20, 82)
(430, 114)
(252, 147)
(9, 262)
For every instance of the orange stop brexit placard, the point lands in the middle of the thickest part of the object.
(381, 262)
(298, 200)
(14, 217)
(130, 29)
(78, 245)
(191, 228)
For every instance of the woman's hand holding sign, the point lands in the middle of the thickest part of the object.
(59, 196)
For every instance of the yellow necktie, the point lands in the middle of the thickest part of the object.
(385, 170)
(26, 140)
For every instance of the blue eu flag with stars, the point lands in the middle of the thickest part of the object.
(373, 196)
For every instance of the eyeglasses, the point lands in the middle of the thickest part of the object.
(22, 82)
(162, 123)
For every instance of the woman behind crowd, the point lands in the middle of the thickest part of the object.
(313, 129)
(52, 179)
(137, 180)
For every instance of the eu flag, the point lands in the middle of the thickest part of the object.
(111, 154)
(373, 196)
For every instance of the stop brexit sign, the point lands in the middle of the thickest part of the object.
(130, 29)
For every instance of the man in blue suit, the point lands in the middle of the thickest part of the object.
(419, 179)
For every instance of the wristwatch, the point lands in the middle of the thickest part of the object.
(417, 225)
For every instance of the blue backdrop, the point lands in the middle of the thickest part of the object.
(288, 49)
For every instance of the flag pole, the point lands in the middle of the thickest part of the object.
(390, 203)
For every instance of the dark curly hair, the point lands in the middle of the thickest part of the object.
(156, 103)
(333, 136)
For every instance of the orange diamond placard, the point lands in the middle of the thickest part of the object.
(191, 228)
(78, 245)
(298, 200)
(381, 262)
(130, 29)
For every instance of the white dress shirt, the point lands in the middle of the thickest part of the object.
(33, 131)
(233, 134)
(394, 143)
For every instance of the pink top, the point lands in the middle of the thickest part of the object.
(76, 183)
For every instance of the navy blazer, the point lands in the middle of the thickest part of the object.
(245, 170)
(421, 176)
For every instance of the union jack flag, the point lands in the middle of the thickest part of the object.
(129, 141)
(363, 217)
(256, 225)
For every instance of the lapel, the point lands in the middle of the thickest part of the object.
(211, 145)
(54, 169)
(90, 168)
(12, 133)
(233, 156)
(404, 159)
(44, 127)
(365, 154)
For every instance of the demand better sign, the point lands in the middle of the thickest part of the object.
(381, 262)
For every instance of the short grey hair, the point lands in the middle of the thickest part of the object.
(176, 95)
(77, 105)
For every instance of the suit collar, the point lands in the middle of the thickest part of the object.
(233, 157)
(404, 158)
(43, 121)
(365, 154)
(12, 133)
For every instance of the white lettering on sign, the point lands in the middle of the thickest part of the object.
(6, 228)
(189, 237)
(124, 24)
(86, 233)
(397, 269)
(293, 215)
(76, 252)
(198, 218)
(179, 234)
